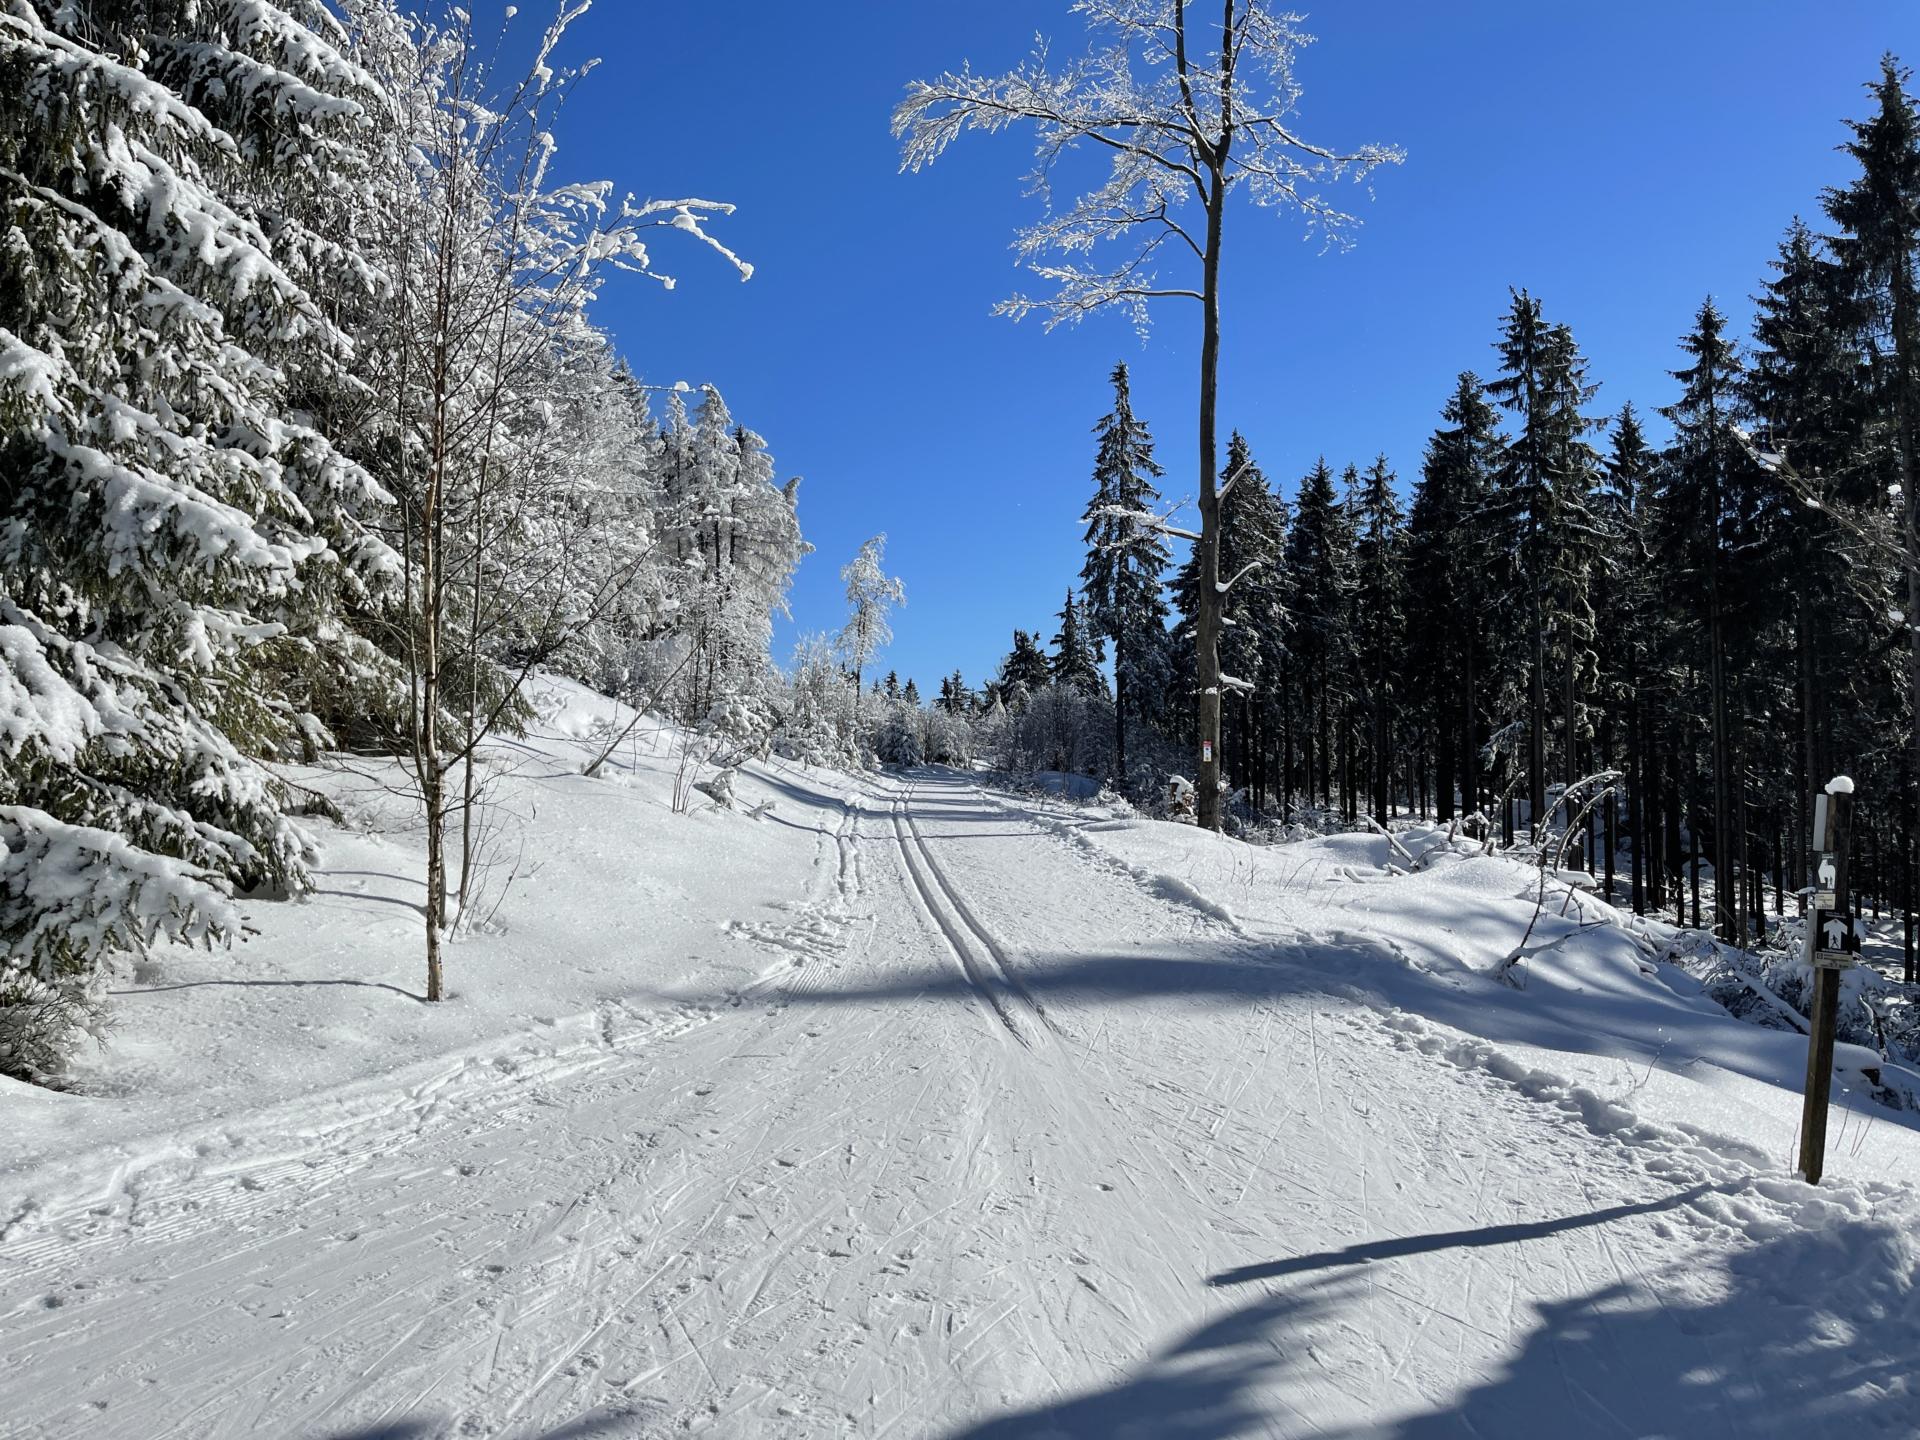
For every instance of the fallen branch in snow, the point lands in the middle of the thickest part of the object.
(1607, 779)
(1392, 842)
(639, 714)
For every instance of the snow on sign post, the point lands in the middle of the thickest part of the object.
(1833, 940)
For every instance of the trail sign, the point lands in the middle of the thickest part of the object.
(1833, 939)
(1836, 940)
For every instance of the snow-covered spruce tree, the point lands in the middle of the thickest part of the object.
(1253, 609)
(174, 532)
(1120, 585)
(1707, 510)
(1538, 508)
(956, 697)
(817, 707)
(1184, 108)
(1077, 652)
(1810, 392)
(1625, 593)
(1024, 672)
(1878, 250)
(897, 737)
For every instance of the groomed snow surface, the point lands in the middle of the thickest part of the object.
(908, 1109)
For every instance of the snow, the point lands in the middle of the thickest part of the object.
(1840, 785)
(909, 1108)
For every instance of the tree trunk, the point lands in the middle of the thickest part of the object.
(1207, 627)
(1537, 723)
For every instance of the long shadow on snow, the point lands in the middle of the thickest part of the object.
(1227, 979)
(270, 985)
(1808, 1334)
(1449, 1240)
(1205, 1386)
(1361, 971)
(617, 1422)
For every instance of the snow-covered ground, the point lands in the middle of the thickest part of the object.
(907, 1109)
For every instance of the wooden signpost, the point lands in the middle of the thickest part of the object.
(1833, 940)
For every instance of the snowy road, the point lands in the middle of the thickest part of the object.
(1004, 1141)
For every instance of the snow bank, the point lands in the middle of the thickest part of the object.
(316, 1021)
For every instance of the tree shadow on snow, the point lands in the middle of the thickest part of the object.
(1808, 1333)
(614, 1422)
(1210, 974)
(1812, 1333)
(1450, 1240)
(270, 985)
(1206, 1386)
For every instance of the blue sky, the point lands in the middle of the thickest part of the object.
(1620, 160)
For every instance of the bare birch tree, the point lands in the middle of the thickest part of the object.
(1186, 113)
(493, 265)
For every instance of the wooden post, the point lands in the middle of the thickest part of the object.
(1830, 839)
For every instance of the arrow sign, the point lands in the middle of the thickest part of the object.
(1835, 931)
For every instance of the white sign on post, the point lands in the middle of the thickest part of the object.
(1822, 824)
(1206, 750)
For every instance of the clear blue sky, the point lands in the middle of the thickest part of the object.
(1621, 160)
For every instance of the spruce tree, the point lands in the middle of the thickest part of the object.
(1076, 652)
(955, 697)
(1629, 600)
(1319, 558)
(1545, 532)
(174, 532)
(1024, 672)
(1450, 566)
(1252, 609)
(1379, 622)
(1877, 248)
(1120, 584)
(1704, 526)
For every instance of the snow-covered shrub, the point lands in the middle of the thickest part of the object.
(897, 741)
(1058, 728)
(1773, 987)
(42, 1023)
(816, 701)
(745, 722)
(947, 737)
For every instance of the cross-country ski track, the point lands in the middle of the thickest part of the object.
(1003, 1133)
